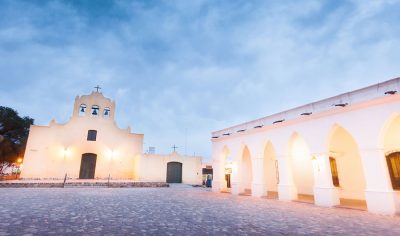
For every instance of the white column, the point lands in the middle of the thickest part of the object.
(235, 178)
(258, 187)
(217, 185)
(325, 194)
(379, 192)
(286, 189)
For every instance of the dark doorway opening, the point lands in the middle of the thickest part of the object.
(393, 161)
(88, 166)
(174, 172)
(334, 171)
(228, 180)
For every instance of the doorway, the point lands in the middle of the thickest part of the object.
(174, 172)
(88, 166)
(228, 180)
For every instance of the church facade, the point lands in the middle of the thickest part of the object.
(343, 151)
(91, 146)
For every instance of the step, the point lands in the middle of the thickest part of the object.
(83, 185)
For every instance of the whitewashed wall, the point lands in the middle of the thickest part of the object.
(154, 167)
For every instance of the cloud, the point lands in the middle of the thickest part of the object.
(186, 68)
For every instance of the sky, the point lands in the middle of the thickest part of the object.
(179, 70)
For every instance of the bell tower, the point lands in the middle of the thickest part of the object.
(94, 105)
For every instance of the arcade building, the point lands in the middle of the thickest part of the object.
(342, 151)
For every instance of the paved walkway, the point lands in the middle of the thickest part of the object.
(174, 211)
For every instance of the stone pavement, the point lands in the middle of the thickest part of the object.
(177, 210)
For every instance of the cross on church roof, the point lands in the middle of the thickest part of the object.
(97, 88)
(174, 147)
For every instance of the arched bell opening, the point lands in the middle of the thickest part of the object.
(95, 111)
(82, 110)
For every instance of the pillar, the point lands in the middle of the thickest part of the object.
(379, 193)
(235, 177)
(235, 185)
(218, 179)
(258, 187)
(325, 194)
(286, 189)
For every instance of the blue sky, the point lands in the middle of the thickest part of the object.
(177, 67)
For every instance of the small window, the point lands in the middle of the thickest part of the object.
(95, 110)
(334, 171)
(92, 135)
(82, 110)
(106, 112)
(393, 161)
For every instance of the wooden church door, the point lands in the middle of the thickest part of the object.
(88, 166)
(174, 172)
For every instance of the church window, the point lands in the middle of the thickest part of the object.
(393, 161)
(82, 109)
(95, 110)
(334, 171)
(106, 112)
(92, 135)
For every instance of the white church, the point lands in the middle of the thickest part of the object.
(91, 146)
(342, 151)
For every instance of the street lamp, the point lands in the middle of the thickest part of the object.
(19, 165)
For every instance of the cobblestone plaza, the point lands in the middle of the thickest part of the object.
(178, 210)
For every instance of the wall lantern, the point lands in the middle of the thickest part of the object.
(315, 163)
(66, 153)
(112, 154)
(340, 104)
(278, 121)
(228, 168)
(391, 92)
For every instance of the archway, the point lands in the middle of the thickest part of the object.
(174, 172)
(391, 146)
(346, 168)
(270, 170)
(88, 166)
(302, 168)
(246, 175)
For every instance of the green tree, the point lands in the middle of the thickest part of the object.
(14, 132)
